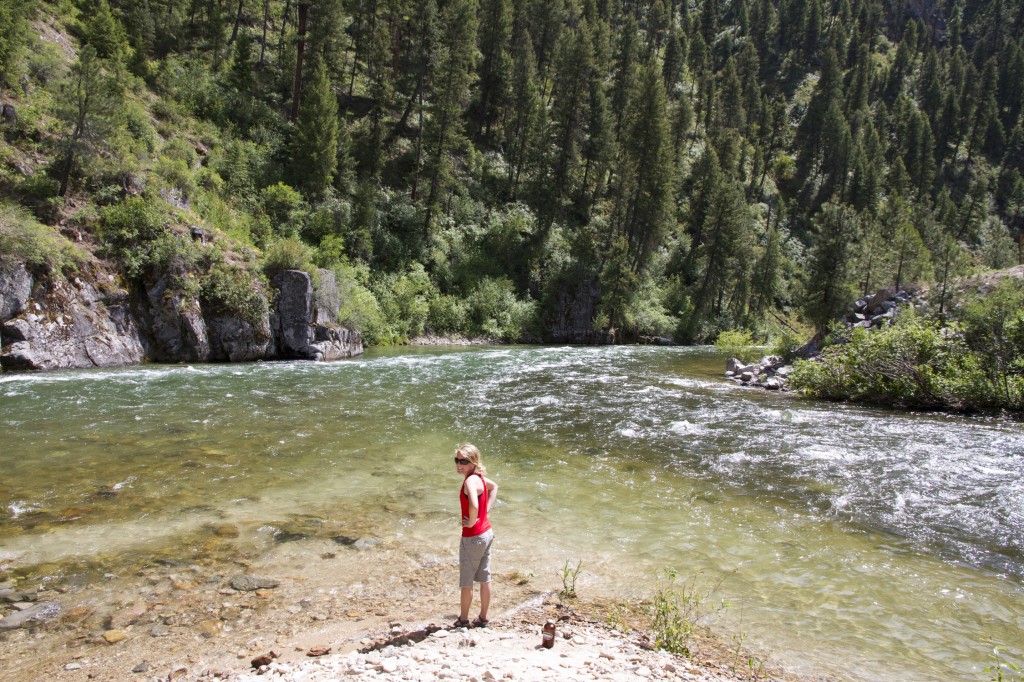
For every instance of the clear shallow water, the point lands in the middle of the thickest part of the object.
(888, 545)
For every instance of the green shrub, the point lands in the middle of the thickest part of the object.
(679, 607)
(23, 239)
(285, 208)
(137, 124)
(287, 254)
(738, 343)
(176, 174)
(993, 328)
(232, 291)
(495, 312)
(127, 230)
(447, 315)
(893, 366)
(359, 309)
(331, 252)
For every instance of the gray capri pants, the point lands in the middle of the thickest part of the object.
(475, 559)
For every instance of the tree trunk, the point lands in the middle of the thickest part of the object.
(238, 20)
(263, 41)
(299, 53)
(284, 25)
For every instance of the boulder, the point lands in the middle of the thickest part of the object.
(734, 365)
(8, 114)
(881, 296)
(15, 289)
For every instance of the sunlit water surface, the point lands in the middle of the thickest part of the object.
(863, 543)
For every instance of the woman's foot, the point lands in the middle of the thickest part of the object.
(480, 622)
(461, 623)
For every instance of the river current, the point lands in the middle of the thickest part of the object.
(859, 542)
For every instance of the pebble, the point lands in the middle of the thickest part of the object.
(73, 666)
(141, 667)
(115, 636)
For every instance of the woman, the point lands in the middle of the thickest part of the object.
(476, 497)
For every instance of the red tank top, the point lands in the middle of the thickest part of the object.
(482, 524)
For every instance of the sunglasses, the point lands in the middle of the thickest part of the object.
(463, 462)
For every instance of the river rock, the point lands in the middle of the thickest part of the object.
(20, 596)
(34, 615)
(250, 583)
(128, 616)
(115, 636)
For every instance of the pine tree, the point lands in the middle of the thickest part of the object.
(766, 280)
(496, 64)
(626, 58)
(314, 148)
(106, 34)
(672, 66)
(645, 191)
(571, 95)
(451, 90)
(828, 288)
(14, 31)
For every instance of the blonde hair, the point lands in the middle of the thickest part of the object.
(472, 453)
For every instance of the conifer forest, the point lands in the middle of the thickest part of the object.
(527, 170)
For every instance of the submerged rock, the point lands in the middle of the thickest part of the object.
(251, 583)
(32, 616)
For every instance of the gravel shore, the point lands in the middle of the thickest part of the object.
(507, 649)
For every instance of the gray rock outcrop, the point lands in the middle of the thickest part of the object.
(65, 324)
(301, 330)
(177, 331)
(574, 311)
(235, 340)
(55, 323)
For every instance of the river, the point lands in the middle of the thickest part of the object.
(888, 545)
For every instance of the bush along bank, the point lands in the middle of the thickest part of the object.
(899, 349)
(773, 372)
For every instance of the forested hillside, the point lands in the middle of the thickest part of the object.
(566, 170)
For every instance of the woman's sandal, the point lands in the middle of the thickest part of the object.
(481, 623)
(461, 623)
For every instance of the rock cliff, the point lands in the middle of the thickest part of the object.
(89, 321)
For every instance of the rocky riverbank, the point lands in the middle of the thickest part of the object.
(870, 312)
(320, 610)
(91, 321)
